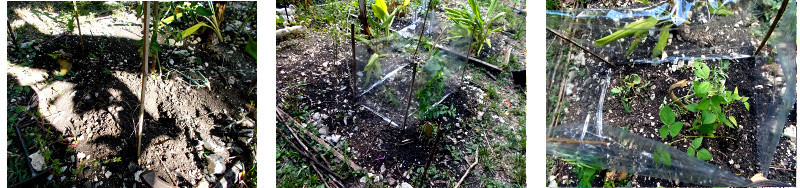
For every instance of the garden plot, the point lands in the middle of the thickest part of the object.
(75, 100)
(727, 94)
(357, 108)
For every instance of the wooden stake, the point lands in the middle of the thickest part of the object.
(78, 24)
(286, 118)
(146, 39)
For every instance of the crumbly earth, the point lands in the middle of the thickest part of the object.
(92, 112)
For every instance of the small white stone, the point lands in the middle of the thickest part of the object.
(216, 164)
(37, 160)
(81, 155)
(136, 175)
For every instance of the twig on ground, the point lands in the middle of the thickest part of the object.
(468, 169)
(286, 118)
(307, 156)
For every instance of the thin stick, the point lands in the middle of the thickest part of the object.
(146, 38)
(78, 22)
(579, 46)
(468, 169)
(286, 118)
(414, 74)
(308, 156)
(772, 27)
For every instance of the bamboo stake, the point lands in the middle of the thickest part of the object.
(146, 39)
(414, 64)
(78, 23)
(772, 27)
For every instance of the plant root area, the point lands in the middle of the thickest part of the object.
(81, 128)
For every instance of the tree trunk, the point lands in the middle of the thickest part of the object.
(362, 17)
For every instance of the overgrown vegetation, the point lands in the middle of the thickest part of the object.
(470, 22)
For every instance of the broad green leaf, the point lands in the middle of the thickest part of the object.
(706, 128)
(636, 79)
(733, 120)
(736, 94)
(703, 154)
(379, 13)
(697, 142)
(667, 116)
(747, 105)
(192, 29)
(692, 107)
(663, 131)
(701, 88)
(721, 118)
(703, 105)
(690, 151)
(709, 117)
(615, 91)
(675, 128)
(665, 158)
(203, 11)
(701, 70)
(717, 100)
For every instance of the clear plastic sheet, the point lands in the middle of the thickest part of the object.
(697, 33)
(385, 67)
(727, 37)
(623, 151)
(782, 99)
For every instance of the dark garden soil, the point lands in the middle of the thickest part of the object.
(734, 149)
(313, 72)
(94, 109)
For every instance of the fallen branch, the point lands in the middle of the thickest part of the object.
(468, 169)
(286, 118)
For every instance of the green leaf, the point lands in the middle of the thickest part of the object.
(250, 48)
(709, 117)
(701, 70)
(733, 120)
(701, 88)
(636, 79)
(639, 36)
(703, 105)
(663, 131)
(662, 41)
(747, 105)
(203, 11)
(667, 116)
(629, 29)
(692, 107)
(192, 29)
(736, 94)
(615, 91)
(666, 159)
(721, 118)
(697, 142)
(691, 151)
(717, 100)
(703, 154)
(675, 128)
(706, 128)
